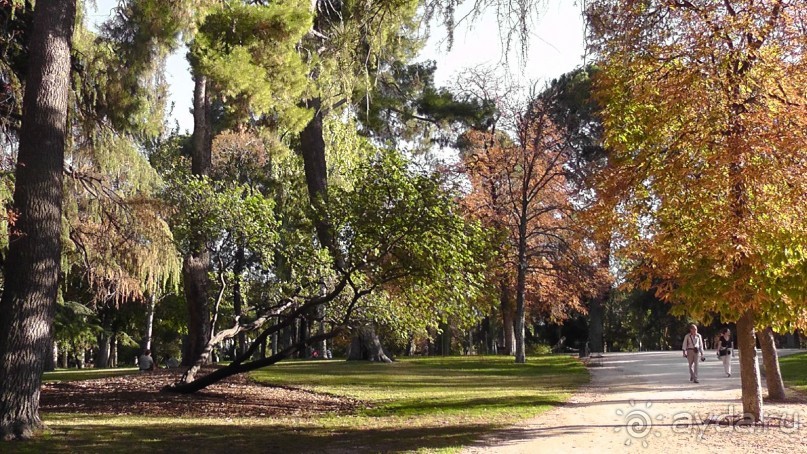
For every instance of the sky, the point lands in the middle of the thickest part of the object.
(556, 46)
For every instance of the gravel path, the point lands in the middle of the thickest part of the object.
(644, 402)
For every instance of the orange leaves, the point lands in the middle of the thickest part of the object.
(706, 117)
(519, 188)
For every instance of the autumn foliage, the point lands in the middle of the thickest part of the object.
(518, 186)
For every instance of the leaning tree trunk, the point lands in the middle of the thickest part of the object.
(773, 376)
(367, 346)
(196, 264)
(32, 264)
(749, 368)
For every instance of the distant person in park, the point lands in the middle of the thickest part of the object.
(146, 362)
(724, 350)
(172, 363)
(693, 347)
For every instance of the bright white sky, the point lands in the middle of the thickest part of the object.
(557, 45)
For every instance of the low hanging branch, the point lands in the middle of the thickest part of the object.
(190, 374)
(189, 384)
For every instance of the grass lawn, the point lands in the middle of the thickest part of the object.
(86, 374)
(794, 371)
(416, 405)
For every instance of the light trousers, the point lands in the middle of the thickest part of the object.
(726, 363)
(693, 357)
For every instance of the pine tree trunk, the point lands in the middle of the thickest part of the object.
(770, 358)
(32, 265)
(749, 368)
(195, 265)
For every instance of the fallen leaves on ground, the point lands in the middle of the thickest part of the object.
(140, 394)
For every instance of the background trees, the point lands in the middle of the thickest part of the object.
(519, 186)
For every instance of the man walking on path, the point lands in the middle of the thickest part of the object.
(693, 347)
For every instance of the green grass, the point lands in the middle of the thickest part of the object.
(85, 374)
(794, 371)
(415, 405)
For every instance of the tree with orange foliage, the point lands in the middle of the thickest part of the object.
(519, 186)
(705, 115)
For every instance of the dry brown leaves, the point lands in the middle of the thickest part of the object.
(139, 394)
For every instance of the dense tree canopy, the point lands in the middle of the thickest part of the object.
(704, 118)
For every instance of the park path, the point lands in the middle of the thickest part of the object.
(630, 406)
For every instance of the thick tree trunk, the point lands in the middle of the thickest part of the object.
(32, 265)
(773, 376)
(508, 314)
(749, 368)
(366, 346)
(312, 148)
(196, 265)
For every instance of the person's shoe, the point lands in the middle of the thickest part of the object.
(728, 375)
(696, 381)
(691, 379)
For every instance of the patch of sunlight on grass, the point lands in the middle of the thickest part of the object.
(794, 371)
(85, 374)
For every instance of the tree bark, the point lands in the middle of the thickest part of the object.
(749, 368)
(152, 303)
(508, 314)
(196, 264)
(521, 285)
(595, 309)
(238, 297)
(366, 346)
(770, 358)
(32, 266)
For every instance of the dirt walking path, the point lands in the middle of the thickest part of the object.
(644, 402)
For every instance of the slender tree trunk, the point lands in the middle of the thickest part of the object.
(508, 314)
(196, 265)
(238, 298)
(32, 264)
(152, 303)
(521, 285)
(770, 358)
(749, 368)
